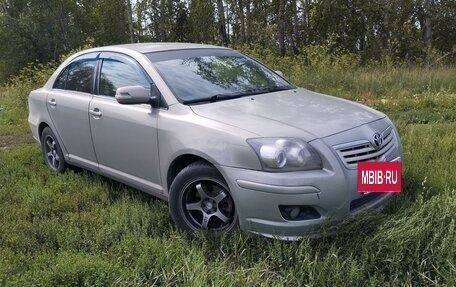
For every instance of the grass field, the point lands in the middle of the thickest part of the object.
(82, 229)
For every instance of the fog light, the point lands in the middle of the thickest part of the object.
(294, 212)
(298, 212)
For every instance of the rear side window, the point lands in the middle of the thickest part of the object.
(116, 74)
(61, 80)
(80, 76)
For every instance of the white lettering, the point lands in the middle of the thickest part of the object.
(394, 180)
(379, 177)
(371, 177)
(364, 177)
(388, 177)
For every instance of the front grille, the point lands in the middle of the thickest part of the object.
(360, 151)
(360, 202)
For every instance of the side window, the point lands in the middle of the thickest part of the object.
(80, 76)
(61, 80)
(116, 74)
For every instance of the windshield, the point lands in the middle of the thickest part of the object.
(214, 74)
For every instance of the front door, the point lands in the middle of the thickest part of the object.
(124, 136)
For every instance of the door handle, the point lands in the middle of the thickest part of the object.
(52, 103)
(95, 112)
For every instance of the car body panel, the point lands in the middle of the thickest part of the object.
(313, 115)
(38, 113)
(330, 191)
(119, 133)
(182, 132)
(71, 120)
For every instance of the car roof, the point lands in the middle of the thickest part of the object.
(158, 47)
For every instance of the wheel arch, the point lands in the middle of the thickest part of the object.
(41, 127)
(48, 124)
(182, 161)
(204, 170)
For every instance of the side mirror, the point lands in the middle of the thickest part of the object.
(134, 95)
(280, 73)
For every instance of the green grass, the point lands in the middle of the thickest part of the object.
(82, 229)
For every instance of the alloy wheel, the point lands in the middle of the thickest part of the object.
(50, 149)
(208, 205)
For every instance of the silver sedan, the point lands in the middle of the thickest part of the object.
(225, 140)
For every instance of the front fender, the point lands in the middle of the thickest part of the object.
(181, 132)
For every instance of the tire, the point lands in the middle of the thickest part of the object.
(199, 198)
(52, 152)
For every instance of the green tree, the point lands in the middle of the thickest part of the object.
(202, 21)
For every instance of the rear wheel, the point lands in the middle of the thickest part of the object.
(200, 199)
(52, 152)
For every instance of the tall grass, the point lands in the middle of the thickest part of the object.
(80, 229)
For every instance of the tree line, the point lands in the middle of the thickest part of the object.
(412, 31)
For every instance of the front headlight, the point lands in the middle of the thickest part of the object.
(285, 154)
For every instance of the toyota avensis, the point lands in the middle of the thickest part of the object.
(225, 140)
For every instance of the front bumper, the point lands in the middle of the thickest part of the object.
(331, 191)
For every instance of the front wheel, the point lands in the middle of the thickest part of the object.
(199, 198)
(52, 152)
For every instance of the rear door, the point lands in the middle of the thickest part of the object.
(125, 136)
(68, 105)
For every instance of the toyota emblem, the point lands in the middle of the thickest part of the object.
(377, 140)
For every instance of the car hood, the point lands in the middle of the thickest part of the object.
(297, 112)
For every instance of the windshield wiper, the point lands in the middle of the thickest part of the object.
(268, 90)
(214, 98)
(249, 92)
